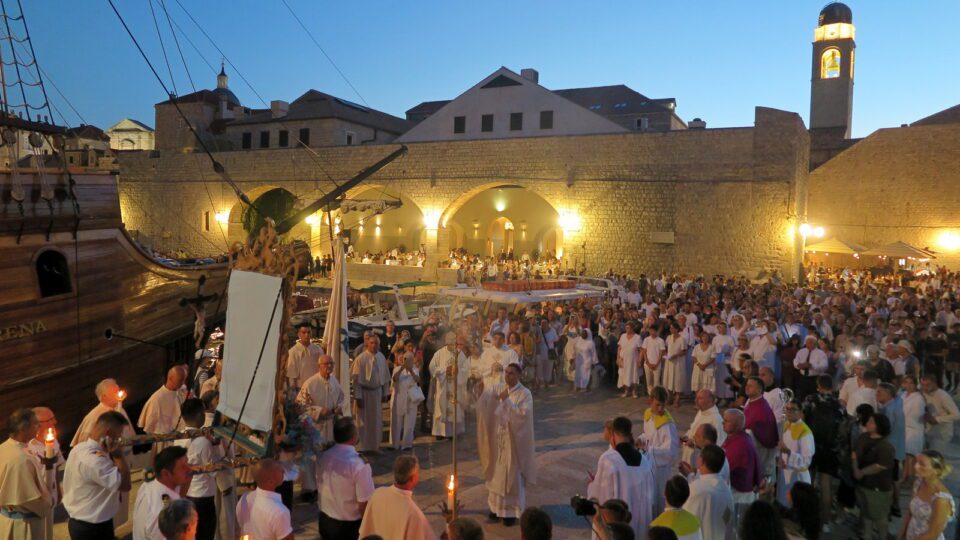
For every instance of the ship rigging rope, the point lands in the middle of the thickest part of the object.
(176, 41)
(62, 96)
(216, 165)
(16, 65)
(163, 49)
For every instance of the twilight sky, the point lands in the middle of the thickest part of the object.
(717, 60)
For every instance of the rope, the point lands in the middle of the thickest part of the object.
(163, 49)
(176, 41)
(6, 22)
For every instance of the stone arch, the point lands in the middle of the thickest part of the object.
(392, 229)
(483, 212)
(235, 231)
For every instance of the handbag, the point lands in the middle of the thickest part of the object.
(416, 394)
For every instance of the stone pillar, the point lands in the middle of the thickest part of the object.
(432, 251)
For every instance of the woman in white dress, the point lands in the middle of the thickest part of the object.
(586, 358)
(914, 409)
(572, 333)
(704, 360)
(628, 361)
(403, 408)
(932, 505)
(674, 374)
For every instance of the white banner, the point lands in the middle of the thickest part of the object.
(252, 299)
(335, 330)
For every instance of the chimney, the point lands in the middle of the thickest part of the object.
(531, 75)
(697, 123)
(278, 109)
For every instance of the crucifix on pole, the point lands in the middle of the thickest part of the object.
(199, 306)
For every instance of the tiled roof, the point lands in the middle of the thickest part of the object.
(314, 104)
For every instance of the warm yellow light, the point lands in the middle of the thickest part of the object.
(570, 221)
(805, 230)
(376, 230)
(431, 219)
(949, 241)
(500, 206)
(222, 217)
(508, 226)
(818, 232)
(312, 219)
(835, 31)
(50, 436)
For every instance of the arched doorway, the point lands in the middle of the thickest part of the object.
(499, 217)
(276, 202)
(396, 228)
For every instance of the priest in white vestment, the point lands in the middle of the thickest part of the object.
(514, 465)
(449, 369)
(707, 413)
(493, 361)
(710, 497)
(624, 473)
(161, 414)
(322, 398)
(371, 377)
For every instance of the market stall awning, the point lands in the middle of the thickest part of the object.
(836, 245)
(409, 284)
(375, 289)
(900, 250)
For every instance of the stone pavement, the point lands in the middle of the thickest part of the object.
(568, 442)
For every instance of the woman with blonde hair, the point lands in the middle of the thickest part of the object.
(932, 506)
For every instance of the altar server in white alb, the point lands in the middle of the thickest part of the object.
(624, 473)
(372, 380)
(514, 466)
(405, 398)
(661, 442)
(449, 368)
(796, 451)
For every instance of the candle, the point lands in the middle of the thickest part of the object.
(245, 537)
(121, 395)
(48, 444)
(451, 494)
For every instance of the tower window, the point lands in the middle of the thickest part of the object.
(546, 119)
(830, 64)
(516, 121)
(53, 274)
(459, 124)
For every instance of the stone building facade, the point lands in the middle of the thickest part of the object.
(704, 201)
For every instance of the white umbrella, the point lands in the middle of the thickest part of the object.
(335, 330)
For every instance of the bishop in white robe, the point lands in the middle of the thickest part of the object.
(449, 369)
(515, 464)
(372, 380)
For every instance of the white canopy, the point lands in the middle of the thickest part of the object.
(836, 245)
(900, 250)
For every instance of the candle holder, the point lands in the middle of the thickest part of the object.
(50, 462)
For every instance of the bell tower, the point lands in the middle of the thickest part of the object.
(831, 82)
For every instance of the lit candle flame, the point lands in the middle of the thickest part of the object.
(50, 436)
(121, 395)
(451, 485)
(245, 537)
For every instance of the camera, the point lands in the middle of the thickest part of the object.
(582, 506)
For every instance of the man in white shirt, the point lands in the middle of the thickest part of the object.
(345, 482)
(94, 477)
(710, 497)
(942, 414)
(865, 394)
(852, 384)
(172, 472)
(302, 359)
(774, 396)
(261, 513)
(391, 512)
(811, 362)
(203, 486)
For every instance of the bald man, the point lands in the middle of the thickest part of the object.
(261, 513)
(107, 392)
(707, 413)
(161, 414)
(745, 472)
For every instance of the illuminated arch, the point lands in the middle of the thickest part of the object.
(830, 63)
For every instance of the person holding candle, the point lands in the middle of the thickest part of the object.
(110, 398)
(23, 503)
(45, 447)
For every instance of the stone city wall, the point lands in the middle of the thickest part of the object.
(704, 201)
(899, 184)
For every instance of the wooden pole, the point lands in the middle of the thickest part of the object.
(456, 386)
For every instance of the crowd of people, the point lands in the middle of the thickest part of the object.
(473, 269)
(816, 405)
